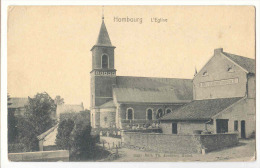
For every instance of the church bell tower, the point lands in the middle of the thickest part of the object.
(103, 74)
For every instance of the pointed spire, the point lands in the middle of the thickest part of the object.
(103, 13)
(103, 37)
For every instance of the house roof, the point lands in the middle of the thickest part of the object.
(18, 102)
(47, 133)
(66, 108)
(201, 109)
(108, 104)
(246, 63)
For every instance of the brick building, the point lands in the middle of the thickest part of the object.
(224, 98)
(124, 101)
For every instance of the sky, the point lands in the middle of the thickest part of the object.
(49, 46)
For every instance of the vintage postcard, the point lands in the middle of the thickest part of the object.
(131, 83)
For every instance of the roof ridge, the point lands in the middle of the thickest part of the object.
(245, 63)
(155, 77)
(237, 55)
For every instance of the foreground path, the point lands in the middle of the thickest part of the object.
(245, 151)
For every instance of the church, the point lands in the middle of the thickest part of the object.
(219, 99)
(126, 101)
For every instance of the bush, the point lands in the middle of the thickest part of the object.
(63, 138)
(82, 141)
(12, 127)
(83, 115)
(27, 134)
(16, 148)
(74, 134)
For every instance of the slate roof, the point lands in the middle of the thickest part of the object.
(247, 63)
(152, 83)
(201, 109)
(18, 102)
(138, 95)
(65, 108)
(108, 104)
(153, 90)
(103, 37)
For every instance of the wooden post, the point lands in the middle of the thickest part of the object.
(40, 145)
(108, 146)
(116, 151)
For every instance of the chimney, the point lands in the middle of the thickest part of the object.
(218, 51)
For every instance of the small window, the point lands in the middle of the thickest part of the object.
(236, 125)
(149, 114)
(168, 111)
(230, 69)
(104, 61)
(105, 119)
(130, 115)
(205, 73)
(159, 113)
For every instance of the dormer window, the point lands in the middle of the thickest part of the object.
(205, 73)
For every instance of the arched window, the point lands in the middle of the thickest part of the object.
(159, 113)
(130, 114)
(149, 114)
(168, 111)
(104, 61)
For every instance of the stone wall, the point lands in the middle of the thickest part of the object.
(179, 144)
(217, 141)
(107, 117)
(59, 155)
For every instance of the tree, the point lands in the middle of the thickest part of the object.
(74, 134)
(63, 138)
(82, 139)
(9, 100)
(58, 100)
(37, 119)
(12, 123)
